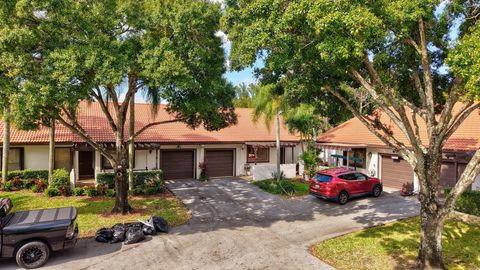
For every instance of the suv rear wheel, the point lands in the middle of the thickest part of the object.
(32, 255)
(342, 197)
(377, 190)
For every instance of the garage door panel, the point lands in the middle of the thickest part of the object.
(177, 164)
(219, 162)
(448, 176)
(395, 172)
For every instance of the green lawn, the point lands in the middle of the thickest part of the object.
(94, 213)
(300, 188)
(395, 246)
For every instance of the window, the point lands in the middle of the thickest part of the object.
(348, 176)
(62, 159)
(361, 176)
(322, 178)
(259, 154)
(360, 153)
(106, 164)
(15, 159)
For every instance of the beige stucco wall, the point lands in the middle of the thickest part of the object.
(146, 159)
(36, 157)
(476, 184)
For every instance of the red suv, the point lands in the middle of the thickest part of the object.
(342, 184)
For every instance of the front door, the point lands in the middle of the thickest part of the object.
(85, 164)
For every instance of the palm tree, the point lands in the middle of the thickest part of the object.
(6, 142)
(51, 150)
(305, 121)
(269, 103)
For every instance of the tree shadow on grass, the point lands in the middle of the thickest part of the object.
(90, 209)
(400, 241)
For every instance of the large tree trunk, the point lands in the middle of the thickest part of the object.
(121, 186)
(431, 221)
(6, 143)
(277, 142)
(121, 176)
(430, 251)
(131, 146)
(51, 151)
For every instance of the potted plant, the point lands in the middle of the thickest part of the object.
(407, 189)
(203, 174)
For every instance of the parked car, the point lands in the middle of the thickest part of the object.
(341, 184)
(30, 236)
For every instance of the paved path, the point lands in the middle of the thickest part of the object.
(235, 225)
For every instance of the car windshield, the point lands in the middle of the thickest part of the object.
(322, 178)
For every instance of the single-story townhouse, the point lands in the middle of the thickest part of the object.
(353, 139)
(242, 149)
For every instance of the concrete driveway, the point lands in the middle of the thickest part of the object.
(235, 225)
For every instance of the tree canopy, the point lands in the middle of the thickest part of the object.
(64, 51)
(416, 60)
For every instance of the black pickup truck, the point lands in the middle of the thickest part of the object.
(30, 236)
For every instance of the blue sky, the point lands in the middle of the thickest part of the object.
(246, 75)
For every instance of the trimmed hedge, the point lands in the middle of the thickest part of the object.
(469, 202)
(28, 174)
(140, 180)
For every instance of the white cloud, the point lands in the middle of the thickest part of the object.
(226, 45)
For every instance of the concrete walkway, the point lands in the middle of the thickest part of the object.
(235, 225)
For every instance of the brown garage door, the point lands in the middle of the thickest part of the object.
(448, 176)
(219, 162)
(177, 164)
(395, 171)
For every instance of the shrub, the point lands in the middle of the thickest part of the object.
(136, 191)
(310, 159)
(140, 180)
(52, 192)
(60, 178)
(101, 189)
(13, 174)
(28, 183)
(286, 187)
(40, 185)
(35, 174)
(35, 189)
(150, 191)
(106, 178)
(61, 181)
(282, 175)
(468, 202)
(78, 191)
(203, 174)
(8, 186)
(110, 192)
(28, 174)
(90, 191)
(17, 183)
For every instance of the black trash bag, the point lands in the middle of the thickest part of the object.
(119, 231)
(149, 230)
(104, 235)
(159, 224)
(134, 235)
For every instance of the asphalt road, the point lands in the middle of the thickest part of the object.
(235, 225)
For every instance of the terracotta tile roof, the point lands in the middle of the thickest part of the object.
(93, 121)
(466, 138)
(39, 136)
